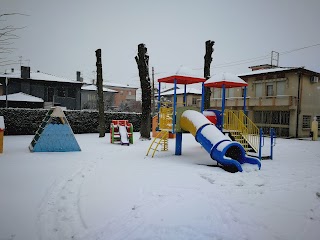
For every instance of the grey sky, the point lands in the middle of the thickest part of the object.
(61, 36)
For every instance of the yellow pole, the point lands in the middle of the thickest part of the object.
(1, 141)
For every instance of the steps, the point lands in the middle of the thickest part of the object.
(242, 130)
(160, 140)
(236, 135)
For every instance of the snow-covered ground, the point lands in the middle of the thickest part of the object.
(109, 191)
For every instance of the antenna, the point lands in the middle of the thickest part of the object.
(274, 58)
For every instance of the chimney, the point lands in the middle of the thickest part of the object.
(25, 72)
(79, 78)
(12, 70)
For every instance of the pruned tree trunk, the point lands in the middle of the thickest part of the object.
(102, 123)
(142, 60)
(207, 64)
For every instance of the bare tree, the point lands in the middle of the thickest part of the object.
(207, 64)
(7, 37)
(102, 121)
(142, 60)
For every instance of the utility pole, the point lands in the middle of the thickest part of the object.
(153, 105)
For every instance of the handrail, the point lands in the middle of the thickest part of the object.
(165, 118)
(237, 120)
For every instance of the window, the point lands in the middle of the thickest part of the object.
(272, 117)
(72, 92)
(50, 94)
(269, 90)
(61, 92)
(306, 121)
(129, 93)
(194, 101)
(281, 88)
(92, 97)
(258, 89)
(230, 92)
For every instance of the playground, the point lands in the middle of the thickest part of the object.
(110, 191)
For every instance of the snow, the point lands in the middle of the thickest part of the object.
(280, 69)
(225, 78)
(196, 118)
(2, 126)
(209, 113)
(112, 84)
(39, 76)
(94, 88)
(21, 97)
(109, 191)
(213, 134)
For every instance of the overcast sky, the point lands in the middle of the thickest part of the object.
(61, 36)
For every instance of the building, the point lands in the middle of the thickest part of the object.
(89, 97)
(20, 100)
(126, 94)
(285, 99)
(193, 96)
(52, 89)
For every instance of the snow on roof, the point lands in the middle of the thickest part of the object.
(94, 88)
(280, 69)
(181, 91)
(21, 97)
(40, 76)
(183, 75)
(111, 84)
(227, 79)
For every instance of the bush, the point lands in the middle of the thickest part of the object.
(21, 121)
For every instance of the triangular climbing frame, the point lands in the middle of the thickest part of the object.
(54, 134)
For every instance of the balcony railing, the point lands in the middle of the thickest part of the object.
(272, 101)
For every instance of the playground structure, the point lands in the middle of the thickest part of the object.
(121, 131)
(54, 134)
(227, 136)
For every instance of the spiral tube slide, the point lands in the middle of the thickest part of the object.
(220, 147)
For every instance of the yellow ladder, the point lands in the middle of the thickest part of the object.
(160, 139)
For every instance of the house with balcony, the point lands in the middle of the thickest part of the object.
(285, 99)
(51, 89)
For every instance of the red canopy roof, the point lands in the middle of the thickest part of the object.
(229, 80)
(181, 79)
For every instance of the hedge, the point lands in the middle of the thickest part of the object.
(21, 121)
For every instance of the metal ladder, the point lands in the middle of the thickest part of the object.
(160, 139)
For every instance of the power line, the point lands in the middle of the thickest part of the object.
(249, 60)
(298, 49)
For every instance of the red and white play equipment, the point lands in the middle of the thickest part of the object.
(121, 131)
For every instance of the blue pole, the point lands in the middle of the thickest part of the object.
(260, 142)
(185, 96)
(178, 143)
(244, 100)
(223, 104)
(272, 133)
(202, 99)
(174, 106)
